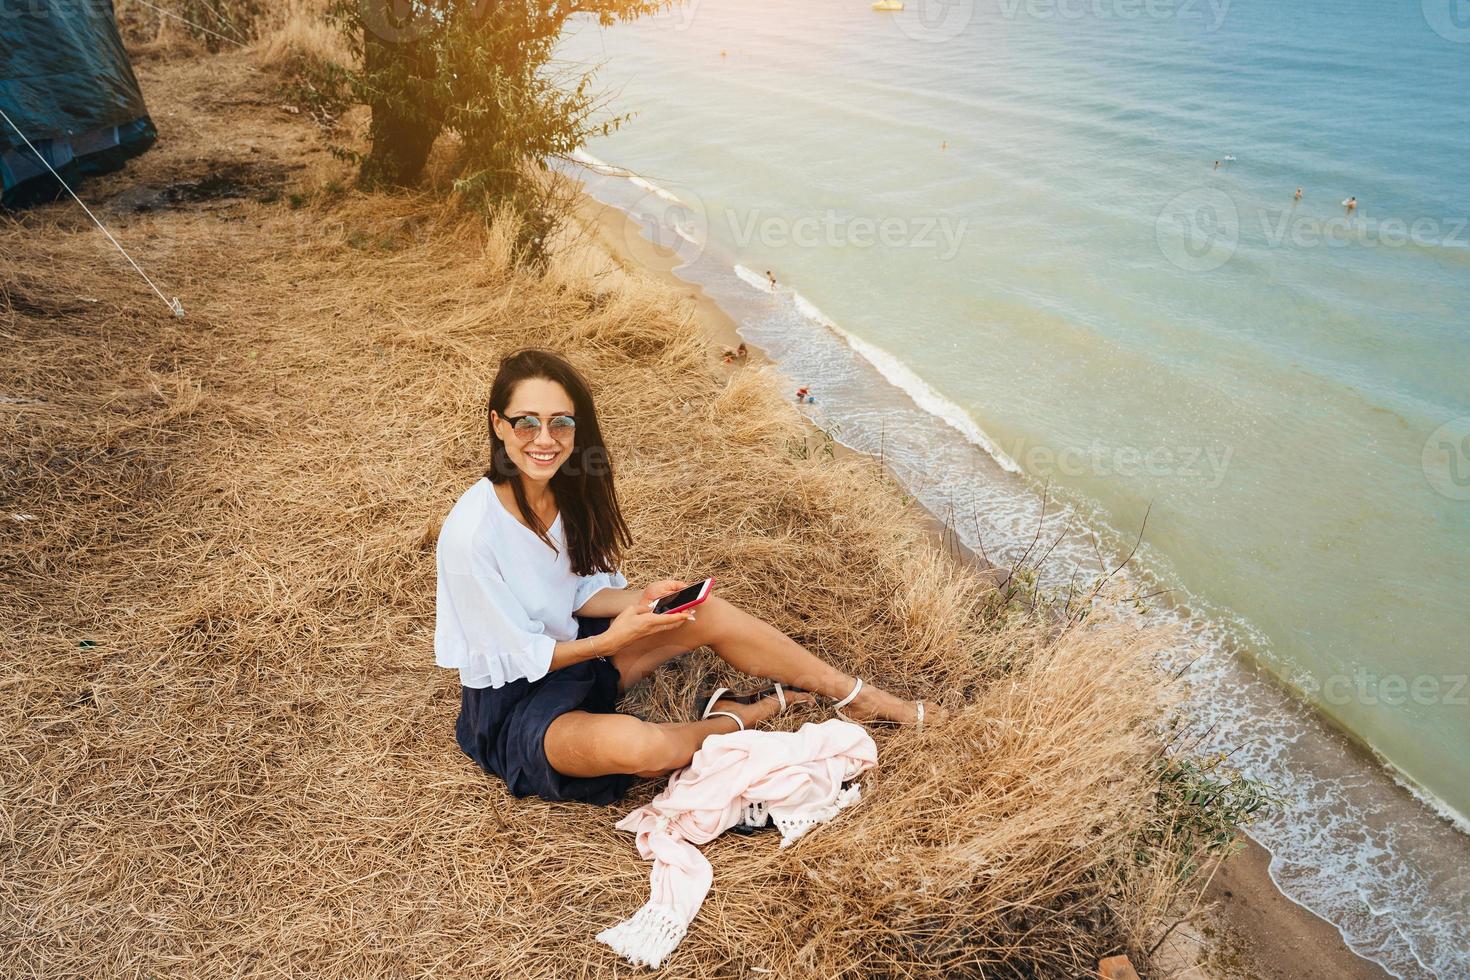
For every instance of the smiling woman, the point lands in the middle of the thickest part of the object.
(533, 612)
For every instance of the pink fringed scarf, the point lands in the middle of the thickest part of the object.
(795, 778)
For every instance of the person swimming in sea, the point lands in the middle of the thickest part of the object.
(1351, 204)
(1298, 195)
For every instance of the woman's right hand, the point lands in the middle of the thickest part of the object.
(639, 620)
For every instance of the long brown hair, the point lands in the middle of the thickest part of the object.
(583, 486)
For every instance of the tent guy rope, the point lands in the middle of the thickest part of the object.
(174, 305)
(169, 13)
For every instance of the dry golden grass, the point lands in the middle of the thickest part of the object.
(297, 32)
(227, 750)
(230, 23)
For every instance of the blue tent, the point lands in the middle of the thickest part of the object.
(65, 82)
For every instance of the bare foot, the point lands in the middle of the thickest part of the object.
(768, 707)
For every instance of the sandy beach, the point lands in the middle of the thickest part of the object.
(1245, 927)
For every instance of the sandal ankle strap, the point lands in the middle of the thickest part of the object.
(710, 704)
(726, 714)
(851, 694)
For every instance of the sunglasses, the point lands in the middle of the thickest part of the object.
(527, 427)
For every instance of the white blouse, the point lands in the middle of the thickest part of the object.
(504, 598)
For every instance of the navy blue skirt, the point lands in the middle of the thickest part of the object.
(504, 728)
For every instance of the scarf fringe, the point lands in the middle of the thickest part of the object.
(794, 830)
(648, 937)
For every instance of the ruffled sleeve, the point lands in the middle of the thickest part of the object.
(589, 585)
(481, 629)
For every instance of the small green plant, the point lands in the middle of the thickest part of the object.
(803, 449)
(1203, 804)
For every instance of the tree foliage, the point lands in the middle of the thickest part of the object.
(484, 71)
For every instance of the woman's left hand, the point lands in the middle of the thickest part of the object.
(660, 589)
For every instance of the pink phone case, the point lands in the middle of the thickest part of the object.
(708, 588)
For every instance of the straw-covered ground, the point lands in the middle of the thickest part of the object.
(226, 748)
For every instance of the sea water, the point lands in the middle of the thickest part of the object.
(1046, 256)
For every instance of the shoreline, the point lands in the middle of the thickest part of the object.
(619, 236)
(1249, 928)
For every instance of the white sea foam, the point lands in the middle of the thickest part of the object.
(1439, 807)
(926, 397)
(583, 157)
(588, 160)
(755, 279)
(656, 190)
(897, 374)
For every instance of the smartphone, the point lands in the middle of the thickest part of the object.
(685, 598)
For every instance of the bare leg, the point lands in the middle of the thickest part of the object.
(754, 647)
(579, 743)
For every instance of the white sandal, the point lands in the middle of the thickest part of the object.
(752, 698)
(856, 689)
(709, 706)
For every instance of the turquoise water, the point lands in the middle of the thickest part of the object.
(1003, 250)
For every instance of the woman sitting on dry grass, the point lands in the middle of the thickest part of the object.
(545, 634)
